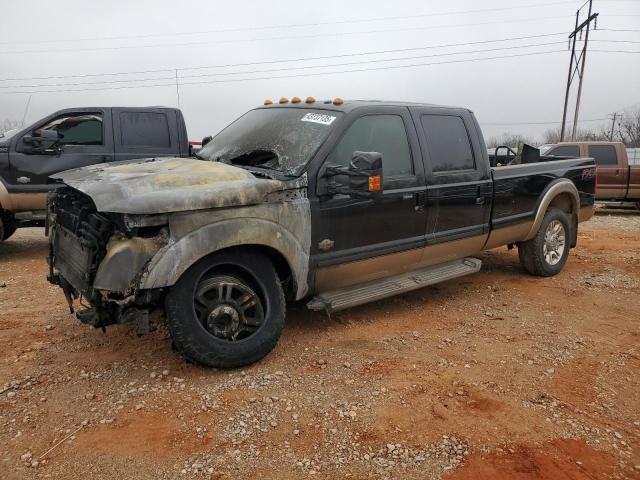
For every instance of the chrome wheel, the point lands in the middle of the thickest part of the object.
(554, 242)
(228, 308)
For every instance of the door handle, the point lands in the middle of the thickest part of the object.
(24, 180)
(479, 200)
(421, 201)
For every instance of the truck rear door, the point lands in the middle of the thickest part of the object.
(459, 185)
(144, 133)
(613, 177)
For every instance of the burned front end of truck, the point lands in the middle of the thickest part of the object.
(122, 234)
(97, 258)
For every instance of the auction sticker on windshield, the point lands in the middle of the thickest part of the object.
(318, 118)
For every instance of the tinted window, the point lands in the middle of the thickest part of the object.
(448, 143)
(79, 129)
(144, 129)
(603, 154)
(565, 151)
(377, 133)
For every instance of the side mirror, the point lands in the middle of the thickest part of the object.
(206, 140)
(364, 176)
(44, 141)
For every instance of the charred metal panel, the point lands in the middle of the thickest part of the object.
(163, 185)
(284, 226)
(124, 261)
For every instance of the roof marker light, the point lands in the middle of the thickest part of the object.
(268, 101)
(338, 101)
(295, 100)
(284, 100)
(310, 100)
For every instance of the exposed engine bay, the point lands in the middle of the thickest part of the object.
(81, 241)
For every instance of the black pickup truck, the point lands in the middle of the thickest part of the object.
(336, 203)
(73, 138)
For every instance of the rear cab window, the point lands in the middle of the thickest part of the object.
(144, 129)
(604, 154)
(565, 151)
(448, 143)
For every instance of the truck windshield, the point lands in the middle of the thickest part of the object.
(282, 139)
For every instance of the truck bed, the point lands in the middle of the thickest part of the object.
(518, 189)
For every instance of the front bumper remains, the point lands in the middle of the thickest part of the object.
(93, 261)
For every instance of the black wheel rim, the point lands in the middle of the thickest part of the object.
(228, 308)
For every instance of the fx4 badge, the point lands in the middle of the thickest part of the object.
(326, 244)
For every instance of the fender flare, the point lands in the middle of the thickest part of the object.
(171, 261)
(556, 188)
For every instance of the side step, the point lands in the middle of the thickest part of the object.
(335, 300)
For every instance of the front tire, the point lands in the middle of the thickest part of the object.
(546, 254)
(7, 228)
(227, 310)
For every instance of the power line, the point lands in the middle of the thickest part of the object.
(299, 59)
(310, 74)
(615, 41)
(541, 123)
(616, 51)
(285, 37)
(304, 67)
(617, 30)
(293, 25)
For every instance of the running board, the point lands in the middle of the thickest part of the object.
(335, 300)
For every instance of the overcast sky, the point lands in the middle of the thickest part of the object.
(72, 37)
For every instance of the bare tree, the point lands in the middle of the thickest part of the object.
(629, 128)
(8, 124)
(582, 135)
(510, 140)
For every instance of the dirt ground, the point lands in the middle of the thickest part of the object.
(491, 376)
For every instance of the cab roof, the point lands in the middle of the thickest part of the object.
(350, 105)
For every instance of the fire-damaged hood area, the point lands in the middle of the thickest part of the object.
(162, 185)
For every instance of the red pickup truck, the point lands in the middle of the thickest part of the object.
(617, 180)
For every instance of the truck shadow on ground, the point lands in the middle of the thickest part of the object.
(615, 211)
(497, 266)
(23, 247)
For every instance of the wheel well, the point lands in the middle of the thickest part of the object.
(279, 263)
(564, 202)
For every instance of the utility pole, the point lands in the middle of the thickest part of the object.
(576, 65)
(613, 124)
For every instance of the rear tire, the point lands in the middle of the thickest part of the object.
(227, 310)
(546, 254)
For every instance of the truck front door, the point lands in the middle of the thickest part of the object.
(355, 240)
(85, 138)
